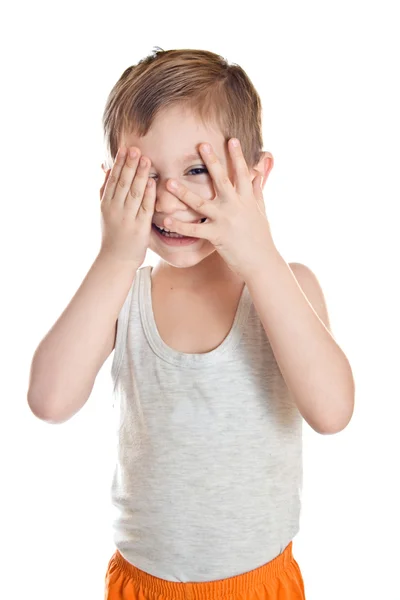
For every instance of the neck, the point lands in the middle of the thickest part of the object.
(210, 271)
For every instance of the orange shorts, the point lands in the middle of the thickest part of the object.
(279, 579)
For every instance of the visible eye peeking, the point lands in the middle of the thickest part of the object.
(201, 171)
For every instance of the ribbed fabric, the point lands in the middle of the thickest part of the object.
(280, 579)
(208, 476)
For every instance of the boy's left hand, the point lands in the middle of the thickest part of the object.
(236, 224)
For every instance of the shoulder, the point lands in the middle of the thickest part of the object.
(311, 288)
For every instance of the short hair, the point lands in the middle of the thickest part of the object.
(203, 81)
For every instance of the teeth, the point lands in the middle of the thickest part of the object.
(169, 231)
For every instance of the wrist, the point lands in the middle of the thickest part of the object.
(110, 260)
(266, 260)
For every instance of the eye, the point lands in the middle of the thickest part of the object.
(201, 169)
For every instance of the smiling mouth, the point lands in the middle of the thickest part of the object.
(168, 232)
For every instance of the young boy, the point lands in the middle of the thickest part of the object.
(221, 349)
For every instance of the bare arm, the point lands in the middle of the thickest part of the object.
(66, 362)
(291, 306)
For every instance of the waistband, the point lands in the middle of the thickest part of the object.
(206, 590)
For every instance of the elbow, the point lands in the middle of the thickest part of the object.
(45, 411)
(331, 429)
(336, 423)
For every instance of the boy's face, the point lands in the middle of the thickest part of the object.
(174, 133)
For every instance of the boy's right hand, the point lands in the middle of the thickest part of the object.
(127, 208)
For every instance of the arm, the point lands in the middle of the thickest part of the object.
(316, 371)
(66, 362)
(292, 309)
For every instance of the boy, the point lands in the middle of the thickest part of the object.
(220, 350)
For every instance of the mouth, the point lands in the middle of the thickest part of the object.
(172, 234)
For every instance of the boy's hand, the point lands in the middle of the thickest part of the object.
(236, 221)
(127, 205)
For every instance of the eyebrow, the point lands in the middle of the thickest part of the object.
(197, 156)
(192, 156)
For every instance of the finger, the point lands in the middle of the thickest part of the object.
(121, 175)
(221, 181)
(197, 230)
(146, 208)
(115, 171)
(207, 208)
(243, 182)
(257, 191)
(104, 184)
(135, 193)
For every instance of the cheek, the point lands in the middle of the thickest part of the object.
(206, 190)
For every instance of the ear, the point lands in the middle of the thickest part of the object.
(263, 167)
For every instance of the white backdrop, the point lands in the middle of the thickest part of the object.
(328, 77)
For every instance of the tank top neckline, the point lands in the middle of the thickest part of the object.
(183, 359)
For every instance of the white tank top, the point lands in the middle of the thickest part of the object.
(208, 476)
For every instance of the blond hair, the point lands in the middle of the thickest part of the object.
(213, 89)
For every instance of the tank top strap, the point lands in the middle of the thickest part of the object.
(182, 359)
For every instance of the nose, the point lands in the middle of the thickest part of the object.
(166, 203)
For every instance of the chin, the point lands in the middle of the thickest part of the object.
(185, 257)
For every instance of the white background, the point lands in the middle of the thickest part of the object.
(327, 73)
